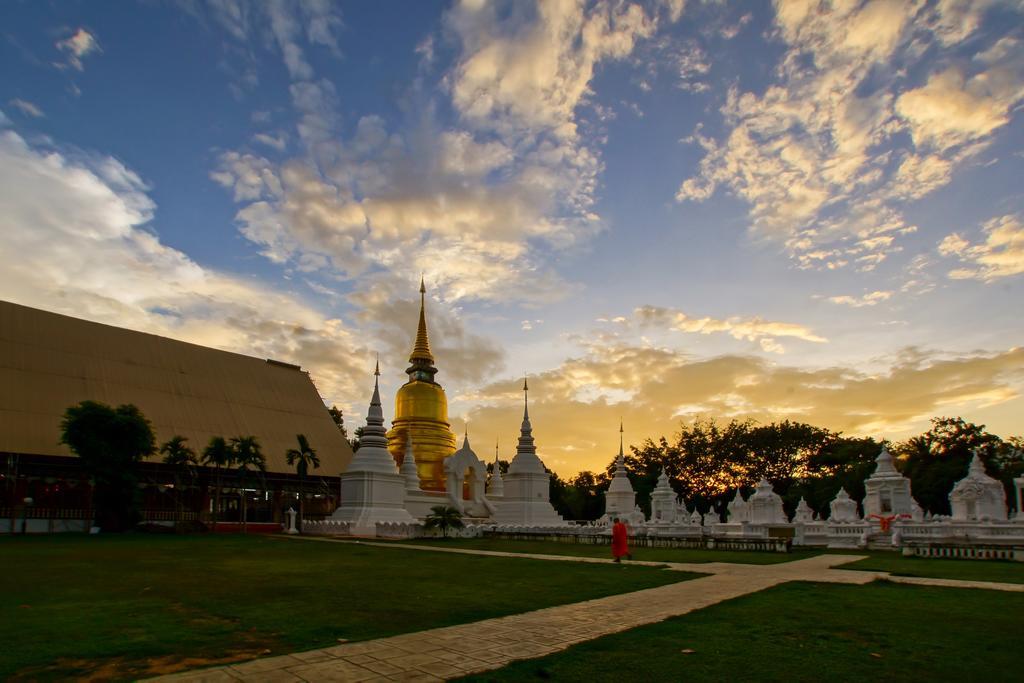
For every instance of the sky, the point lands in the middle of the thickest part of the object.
(656, 211)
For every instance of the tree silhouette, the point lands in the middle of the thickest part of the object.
(219, 455)
(183, 460)
(110, 443)
(302, 457)
(443, 517)
(249, 460)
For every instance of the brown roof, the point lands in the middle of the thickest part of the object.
(49, 362)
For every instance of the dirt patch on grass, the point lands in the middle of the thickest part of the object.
(124, 668)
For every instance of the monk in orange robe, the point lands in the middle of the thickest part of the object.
(620, 540)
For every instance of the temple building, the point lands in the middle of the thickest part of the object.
(50, 362)
(390, 496)
(421, 413)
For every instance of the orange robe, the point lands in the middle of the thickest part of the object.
(620, 544)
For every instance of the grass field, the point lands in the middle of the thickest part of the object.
(118, 607)
(877, 560)
(808, 632)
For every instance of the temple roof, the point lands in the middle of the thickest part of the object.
(49, 362)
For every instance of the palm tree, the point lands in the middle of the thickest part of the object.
(183, 459)
(443, 517)
(247, 454)
(302, 458)
(218, 454)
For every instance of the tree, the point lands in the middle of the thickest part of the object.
(937, 459)
(183, 460)
(302, 458)
(443, 517)
(354, 441)
(247, 456)
(219, 455)
(110, 442)
(339, 420)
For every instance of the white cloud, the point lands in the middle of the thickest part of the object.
(278, 142)
(1000, 255)
(868, 299)
(756, 329)
(816, 155)
(952, 109)
(74, 238)
(27, 108)
(487, 199)
(76, 47)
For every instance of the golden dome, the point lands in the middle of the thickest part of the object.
(421, 412)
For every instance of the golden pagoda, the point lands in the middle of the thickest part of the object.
(421, 412)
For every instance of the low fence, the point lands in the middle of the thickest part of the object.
(773, 545)
(962, 552)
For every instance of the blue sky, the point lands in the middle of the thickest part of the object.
(659, 211)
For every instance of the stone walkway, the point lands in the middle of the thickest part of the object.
(454, 651)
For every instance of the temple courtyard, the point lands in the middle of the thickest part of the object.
(290, 609)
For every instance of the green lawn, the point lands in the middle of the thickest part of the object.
(877, 560)
(808, 632)
(117, 607)
(969, 570)
(651, 554)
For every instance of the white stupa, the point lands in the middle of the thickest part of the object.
(843, 508)
(887, 492)
(527, 483)
(978, 496)
(803, 512)
(372, 490)
(738, 510)
(408, 468)
(765, 505)
(620, 498)
(496, 486)
(663, 501)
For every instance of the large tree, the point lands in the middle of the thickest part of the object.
(936, 460)
(110, 443)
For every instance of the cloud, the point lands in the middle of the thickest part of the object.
(278, 142)
(869, 299)
(76, 47)
(488, 196)
(27, 108)
(1000, 255)
(952, 109)
(74, 238)
(818, 155)
(764, 332)
(575, 408)
(522, 71)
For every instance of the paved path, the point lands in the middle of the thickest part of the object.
(454, 651)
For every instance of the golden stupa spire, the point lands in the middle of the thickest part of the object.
(421, 349)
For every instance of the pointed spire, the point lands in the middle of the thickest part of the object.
(526, 399)
(496, 486)
(526, 429)
(421, 360)
(372, 455)
(620, 437)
